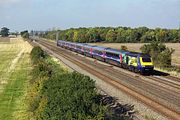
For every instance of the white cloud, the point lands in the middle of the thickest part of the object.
(8, 2)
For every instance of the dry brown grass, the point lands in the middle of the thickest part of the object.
(4, 39)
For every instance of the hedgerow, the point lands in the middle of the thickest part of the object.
(72, 96)
(58, 94)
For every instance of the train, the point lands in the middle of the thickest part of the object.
(133, 61)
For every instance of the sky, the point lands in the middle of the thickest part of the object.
(20, 15)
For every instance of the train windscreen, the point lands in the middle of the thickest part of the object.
(146, 59)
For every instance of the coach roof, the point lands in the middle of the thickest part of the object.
(99, 48)
(111, 50)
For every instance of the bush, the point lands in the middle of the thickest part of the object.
(160, 54)
(123, 47)
(24, 34)
(72, 96)
(37, 54)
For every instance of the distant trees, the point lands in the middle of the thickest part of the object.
(15, 33)
(116, 34)
(25, 34)
(4, 32)
(111, 35)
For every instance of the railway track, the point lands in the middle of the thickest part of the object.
(134, 87)
(167, 82)
(173, 78)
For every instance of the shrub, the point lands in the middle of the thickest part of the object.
(37, 54)
(160, 54)
(123, 47)
(72, 96)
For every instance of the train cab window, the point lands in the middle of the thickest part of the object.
(146, 59)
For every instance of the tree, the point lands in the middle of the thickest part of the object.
(149, 36)
(70, 35)
(120, 37)
(92, 35)
(161, 35)
(4, 32)
(81, 36)
(160, 54)
(111, 35)
(25, 34)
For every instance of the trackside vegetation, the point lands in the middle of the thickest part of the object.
(58, 94)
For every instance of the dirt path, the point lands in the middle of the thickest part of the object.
(14, 62)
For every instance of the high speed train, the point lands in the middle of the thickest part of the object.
(134, 61)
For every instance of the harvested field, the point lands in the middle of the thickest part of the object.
(4, 39)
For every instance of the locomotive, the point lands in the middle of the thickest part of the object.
(133, 61)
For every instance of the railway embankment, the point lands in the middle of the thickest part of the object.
(140, 107)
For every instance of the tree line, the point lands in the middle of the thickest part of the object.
(115, 34)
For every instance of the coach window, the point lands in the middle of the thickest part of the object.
(108, 54)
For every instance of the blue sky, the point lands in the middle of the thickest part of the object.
(44, 14)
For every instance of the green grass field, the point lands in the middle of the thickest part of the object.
(15, 68)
